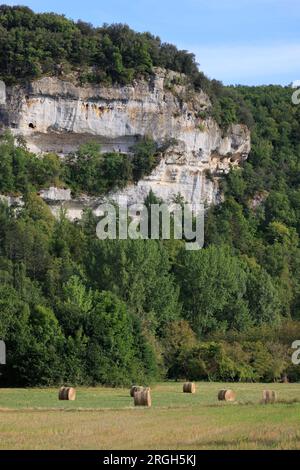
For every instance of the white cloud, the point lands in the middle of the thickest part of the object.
(249, 64)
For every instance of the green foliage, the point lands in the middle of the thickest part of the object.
(90, 171)
(35, 44)
(78, 334)
(77, 309)
(21, 170)
(213, 289)
(260, 221)
(208, 361)
(110, 355)
(178, 338)
(225, 111)
(263, 299)
(260, 216)
(138, 271)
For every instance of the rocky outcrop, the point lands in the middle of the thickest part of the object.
(2, 93)
(57, 116)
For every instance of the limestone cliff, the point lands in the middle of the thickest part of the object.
(57, 116)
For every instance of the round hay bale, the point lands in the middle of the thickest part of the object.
(134, 389)
(189, 387)
(67, 393)
(226, 395)
(143, 397)
(269, 396)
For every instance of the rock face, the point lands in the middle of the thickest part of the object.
(57, 116)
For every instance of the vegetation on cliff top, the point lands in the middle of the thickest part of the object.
(35, 44)
(77, 309)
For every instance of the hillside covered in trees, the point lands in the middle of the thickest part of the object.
(77, 309)
(34, 45)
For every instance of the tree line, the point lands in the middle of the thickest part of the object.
(82, 310)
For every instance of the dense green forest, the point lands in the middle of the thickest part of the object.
(76, 309)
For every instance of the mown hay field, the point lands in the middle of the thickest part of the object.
(104, 418)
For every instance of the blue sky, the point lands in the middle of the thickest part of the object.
(236, 41)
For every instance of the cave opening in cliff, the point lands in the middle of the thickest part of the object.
(31, 125)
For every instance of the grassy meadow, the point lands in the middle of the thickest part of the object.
(104, 418)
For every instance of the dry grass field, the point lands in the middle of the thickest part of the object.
(104, 418)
